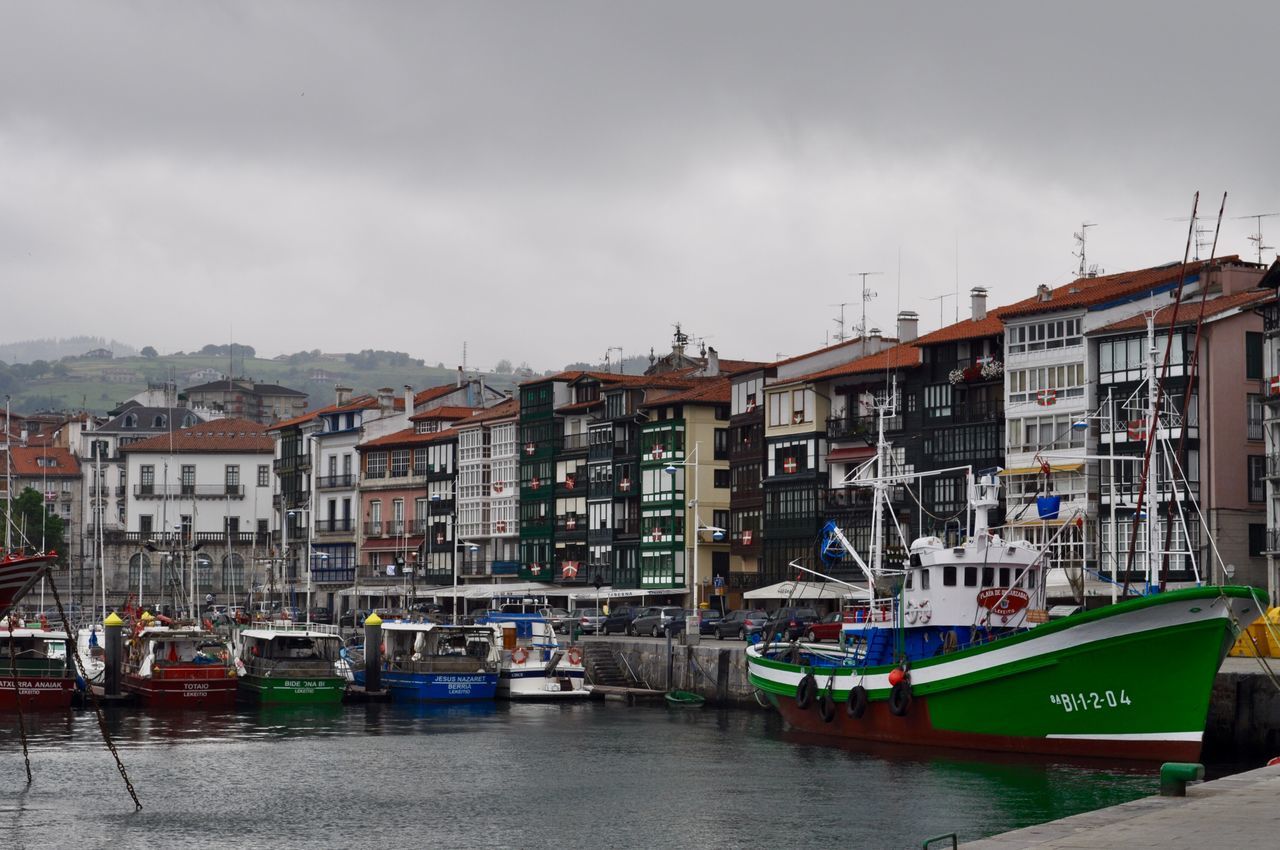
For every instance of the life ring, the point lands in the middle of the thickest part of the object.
(926, 613)
(575, 655)
(826, 708)
(519, 655)
(913, 612)
(805, 691)
(857, 704)
(900, 698)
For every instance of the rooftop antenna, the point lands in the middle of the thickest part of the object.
(841, 336)
(867, 295)
(464, 357)
(940, 299)
(1203, 235)
(1256, 238)
(1081, 236)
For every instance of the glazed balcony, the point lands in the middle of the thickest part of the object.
(1271, 318)
(334, 526)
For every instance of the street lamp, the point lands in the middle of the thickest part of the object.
(459, 546)
(717, 533)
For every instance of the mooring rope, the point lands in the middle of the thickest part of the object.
(17, 700)
(93, 697)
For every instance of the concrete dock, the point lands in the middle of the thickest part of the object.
(1238, 811)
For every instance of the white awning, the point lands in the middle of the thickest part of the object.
(424, 591)
(804, 590)
(609, 592)
(512, 588)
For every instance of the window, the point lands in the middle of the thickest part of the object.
(188, 478)
(146, 522)
(1257, 539)
(1126, 359)
(722, 478)
(375, 465)
(1060, 333)
(399, 462)
(1037, 433)
(948, 576)
(1254, 416)
(937, 401)
(1257, 472)
(146, 479)
(722, 444)
(233, 478)
(970, 576)
(1047, 383)
(1253, 355)
(264, 475)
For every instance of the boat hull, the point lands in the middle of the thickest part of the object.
(179, 692)
(302, 690)
(535, 684)
(437, 687)
(36, 693)
(1131, 681)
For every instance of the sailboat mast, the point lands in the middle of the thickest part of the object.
(1153, 469)
(8, 482)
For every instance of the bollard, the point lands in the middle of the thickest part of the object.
(373, 653)
(1174, 776)
(113, 648)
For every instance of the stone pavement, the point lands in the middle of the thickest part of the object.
(1237, 811)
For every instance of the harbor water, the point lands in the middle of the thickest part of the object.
(587, 775)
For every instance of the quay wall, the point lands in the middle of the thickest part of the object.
(1244, 710)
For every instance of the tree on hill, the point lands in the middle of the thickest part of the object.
(30, 519)
(148, 351)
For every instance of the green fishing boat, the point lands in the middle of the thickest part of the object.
(287, 663)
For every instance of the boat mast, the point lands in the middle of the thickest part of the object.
(1115, 539)
(1153, 469)
(884, 410)
(8, 483)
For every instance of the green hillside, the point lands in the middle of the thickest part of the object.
(99, 385)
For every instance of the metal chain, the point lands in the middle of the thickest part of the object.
(93, 697)
(17, 700)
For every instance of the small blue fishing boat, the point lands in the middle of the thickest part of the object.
(430, 662)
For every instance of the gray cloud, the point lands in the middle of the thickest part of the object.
(547, 180)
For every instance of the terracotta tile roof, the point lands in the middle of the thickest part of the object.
(445, 413)
(1271, 279)
(849, 343)
(902, 356)
(1189, 312)
(1088, 292)
(220, 435)
(708, 391)
(433, 393)
(580, 406)
(362, 402)
(408, 437)
(966, 329)
(58, 462)
(508, 409)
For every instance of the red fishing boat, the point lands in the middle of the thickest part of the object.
(174, 667)
(39, 654)
(18, 574)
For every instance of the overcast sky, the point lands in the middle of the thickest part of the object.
(545, 180)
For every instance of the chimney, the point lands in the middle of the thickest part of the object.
(978, 298)
(459, 376)
(408, 399)
(713, 363)
(1044, 293)
(908, 325)
(386, 400)
(874, 336)
(343, 394)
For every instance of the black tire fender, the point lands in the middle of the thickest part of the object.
(900, 698)
(857, 704)
(826, 708)
(805, 691)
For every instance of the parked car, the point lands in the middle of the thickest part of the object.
(320, 614)
(708, 618)
(829, 627)
(559, 617)
(654, 620)
(790, 622)
(620, 617)
(587, 619)
(740, 623)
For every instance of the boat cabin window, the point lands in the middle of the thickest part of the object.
(970, 576)
(949, 576)
(988, 576)
(924, 579)
(1004, 576)
(910, 578)
(1031, 579)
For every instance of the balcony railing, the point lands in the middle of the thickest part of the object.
(626, 525)
(573, 442)
(475, 569)
(1273, 465)
(440, 507)
(190, 491)
(851, 427)
(571, 524)
(330, 526)
(374, 529)
(334, 482)
(1273, 542)
(292, 463)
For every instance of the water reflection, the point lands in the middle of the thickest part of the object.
(500, 774)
